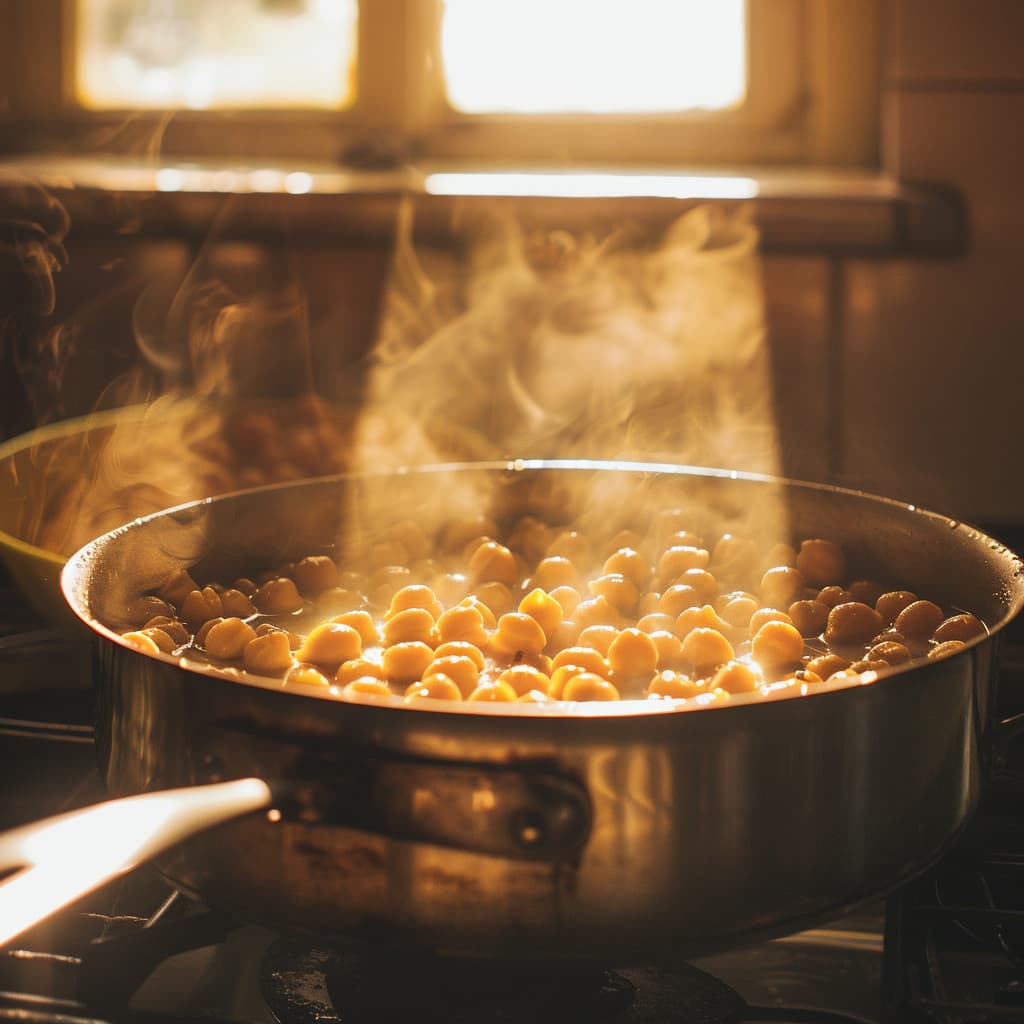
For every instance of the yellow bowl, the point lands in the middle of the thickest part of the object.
(66, 483)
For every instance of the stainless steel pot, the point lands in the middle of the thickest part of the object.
(618, 834)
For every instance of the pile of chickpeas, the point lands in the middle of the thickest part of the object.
(527, 611)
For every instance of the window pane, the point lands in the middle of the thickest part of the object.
(215, 53)
(594, 56)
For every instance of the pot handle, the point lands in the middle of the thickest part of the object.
(53, 862)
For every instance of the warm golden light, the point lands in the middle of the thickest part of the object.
(570, 184)
(594, 56)
(164, 54)
(66, 857)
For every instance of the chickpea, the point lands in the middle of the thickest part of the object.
(889, 652)
(619, 591)
(228, 638)
(408, 625)
(493, 562)
(589, 686)
(525, 679)
(809, 617)
(493, 692)
(141, 641)
(946, 648)
(330, 644)
(736, 677)
(832, 596)
(435, 687)
(657, 622)
(852, 623)
(633, 654)
(678, 598)
(518, 632)
(597, 611)
(496, 596)
(919, 620)
(866, 591)
(268, 654)
(585, 657)
(780, 555)
(669, 646)
(763, 615)
(407, 661)
(706, 648)
(821, 561)
(365, 686)
(463, 622)
(201, 633)
(675, 561)
(461, 670)
(553, 572)
(295, 641)
(891, 603)
(672, 684)
(172, 627)
(598, 637)
(307, 675)
(703, 582)
(827, 665)
(315, 574)
(648, 603)
(278, 596)
(488, 617)
(738, 610)
(696, 618)
(142, 609)
(201, 606)
(358, 668)
(533, 697)
(236, 605)
(567, 635)
(362, 622)
(414, 595)
(777, 645)
(560, 676)
(781, 586)
(959, 627)
(568, 597)
(461, 649)
(542, 607)
(628, 562)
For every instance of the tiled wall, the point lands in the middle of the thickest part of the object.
(932, 353)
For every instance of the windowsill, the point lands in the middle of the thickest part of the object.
(798, 211)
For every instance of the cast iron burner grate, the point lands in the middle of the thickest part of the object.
(319, 987)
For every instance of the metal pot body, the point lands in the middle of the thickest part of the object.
(615, 836)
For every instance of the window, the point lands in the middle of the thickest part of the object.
(706, 82)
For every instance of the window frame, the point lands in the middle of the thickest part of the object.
(819, 107)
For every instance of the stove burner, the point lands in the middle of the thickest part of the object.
(303, 986)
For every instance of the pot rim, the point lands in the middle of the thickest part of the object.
(77, 571)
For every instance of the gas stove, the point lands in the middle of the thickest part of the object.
(948, 946)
